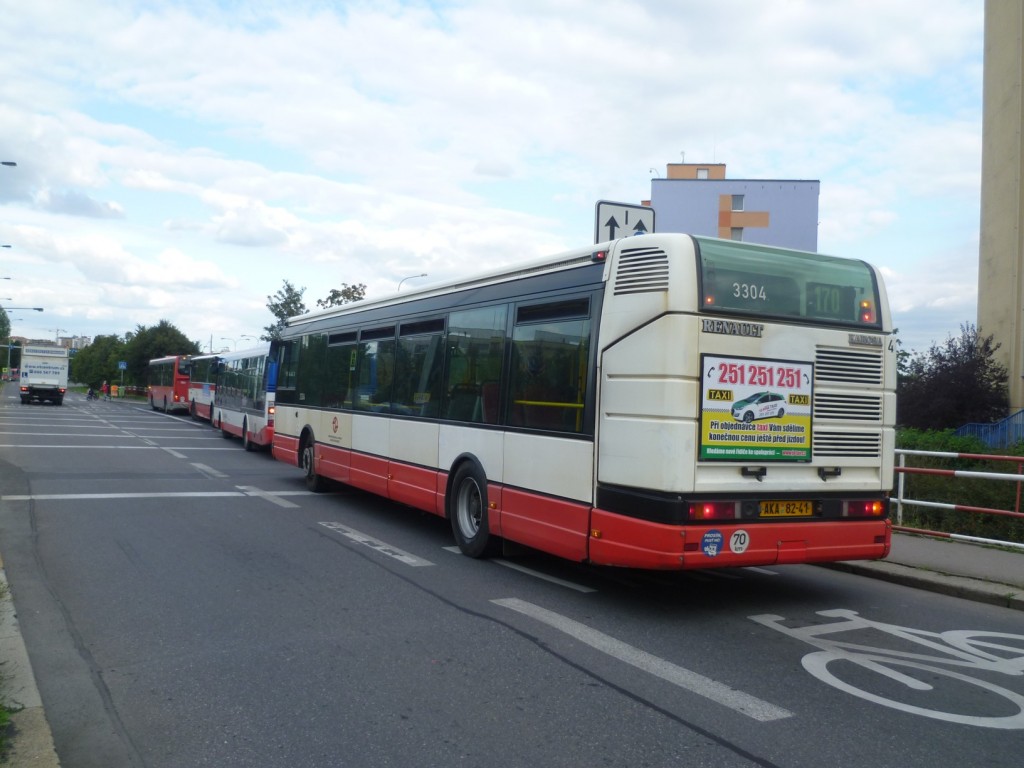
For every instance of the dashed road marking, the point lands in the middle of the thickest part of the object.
(378, 545)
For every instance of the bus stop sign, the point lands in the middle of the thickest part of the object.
(614, 220)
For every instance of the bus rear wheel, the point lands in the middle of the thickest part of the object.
(314, 482)
(247, 442)
(468, 512)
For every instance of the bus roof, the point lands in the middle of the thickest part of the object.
(558, 262)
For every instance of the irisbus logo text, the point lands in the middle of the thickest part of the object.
(732, 328)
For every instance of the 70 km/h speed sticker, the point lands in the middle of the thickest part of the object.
(738, 542)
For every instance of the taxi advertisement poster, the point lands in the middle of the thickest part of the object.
(755, 410)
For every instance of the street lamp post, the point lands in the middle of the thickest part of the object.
(234, 342)
(410, 277)
(247, 336)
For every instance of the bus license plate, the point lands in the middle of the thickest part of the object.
(786, 509)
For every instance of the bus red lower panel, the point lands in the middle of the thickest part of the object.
(264, 437)
(369, 473)
(625, 541)
(334, 463)
(415, 486)
(551, 525)
(286, 449)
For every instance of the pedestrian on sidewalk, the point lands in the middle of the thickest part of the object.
(105, 389)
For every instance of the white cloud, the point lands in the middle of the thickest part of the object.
(250, 144)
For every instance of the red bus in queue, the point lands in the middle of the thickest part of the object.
(167, 383)
(591, 405)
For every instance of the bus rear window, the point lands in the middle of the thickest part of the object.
(742, 278)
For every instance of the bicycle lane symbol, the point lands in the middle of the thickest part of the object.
(971, 650)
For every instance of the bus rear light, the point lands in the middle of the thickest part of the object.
(867, 311)
(599, 255)
(864, 508)
(270, 416)
(714, 510)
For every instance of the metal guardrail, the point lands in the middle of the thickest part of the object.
(903, 470)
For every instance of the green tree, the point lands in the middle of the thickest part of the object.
(98, 362)
(287, 302)
(953, 384)
(146, 344)
(344, 295)
(5, 335)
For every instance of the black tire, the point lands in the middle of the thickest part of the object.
(748, 417)
(192, 411)
(468, 512)
(314, 482)
(152, 403)
(24, 401)
(165, 406)
(247, 443)
(781, 413)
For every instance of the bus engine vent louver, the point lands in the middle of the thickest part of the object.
(641, 270)
(848, 366)
(842, 407)
(864, 444)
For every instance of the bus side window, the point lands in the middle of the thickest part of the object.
(311, 369)
(418, 364)
(475, 351)
(337, 384)
(550, 361)
(287, 371)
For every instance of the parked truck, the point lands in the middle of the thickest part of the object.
(44, 374)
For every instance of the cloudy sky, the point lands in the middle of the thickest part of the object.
(178, 160)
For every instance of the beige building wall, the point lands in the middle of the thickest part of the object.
(1001, 253)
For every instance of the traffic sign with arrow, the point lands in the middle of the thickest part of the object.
(615, 220)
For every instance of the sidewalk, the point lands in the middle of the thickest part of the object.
(960, 569)
(29, 737)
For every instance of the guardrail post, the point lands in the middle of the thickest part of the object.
(899, 490)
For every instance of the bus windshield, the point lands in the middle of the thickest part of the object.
(741, 278)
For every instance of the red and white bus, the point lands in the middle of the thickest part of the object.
(202, 385)
(167, 380)
(245, 390)
(591, 405)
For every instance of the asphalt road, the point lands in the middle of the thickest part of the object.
(186, 603)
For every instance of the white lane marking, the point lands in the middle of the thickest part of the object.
(544, 576)
(208, 471)
(378, 545)
(269, 495)
(148, 447)
(175, 454)
(95, 496)
(252, 490)
(718, 692)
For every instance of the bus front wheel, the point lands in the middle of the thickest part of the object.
(468, 512)
(314, 482)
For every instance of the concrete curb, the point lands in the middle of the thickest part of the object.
(993, 593)
(31, 741)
